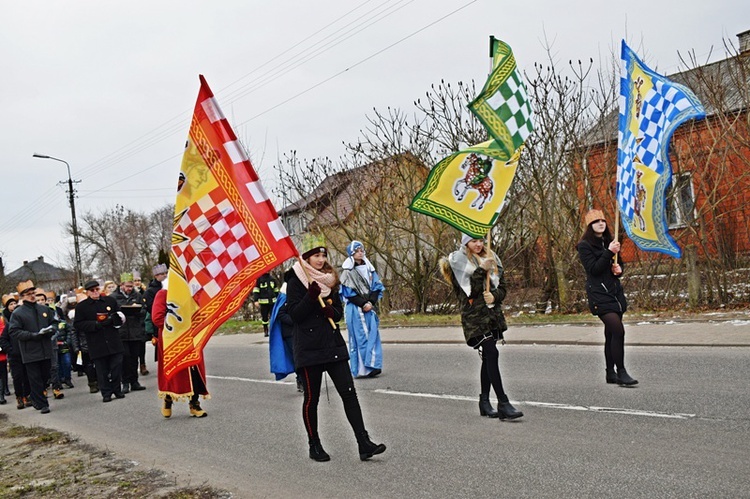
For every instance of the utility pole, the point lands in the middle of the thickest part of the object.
(71, 199)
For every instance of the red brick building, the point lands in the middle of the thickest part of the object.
(709, 204)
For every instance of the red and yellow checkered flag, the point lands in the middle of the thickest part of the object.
(226, 234)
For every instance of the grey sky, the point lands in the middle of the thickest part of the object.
(110, 86)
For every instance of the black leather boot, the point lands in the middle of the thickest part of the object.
(485, 408)
(623, 378)
(317, 453)
(611, 376)
(506, 411)
(367, 448)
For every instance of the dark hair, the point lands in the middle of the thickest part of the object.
(590, 236)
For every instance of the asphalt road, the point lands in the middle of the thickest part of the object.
(683, 432)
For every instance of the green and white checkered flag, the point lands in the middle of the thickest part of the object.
(502, 106)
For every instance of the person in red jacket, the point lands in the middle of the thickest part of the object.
(187, 383)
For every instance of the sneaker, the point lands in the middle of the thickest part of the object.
(58, 394)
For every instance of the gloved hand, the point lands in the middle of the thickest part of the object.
(487, 264)
(105, 323)
(47, 331)
(489, 298)
(328, 312)
(314, 290)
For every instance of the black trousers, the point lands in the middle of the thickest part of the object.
(88, 368)
(38, 373)
(142, 353)
(311, 377)
(21, 385)
(130, 361)
(109, 374)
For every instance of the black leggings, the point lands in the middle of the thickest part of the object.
(614, 340)
(311, 377)
(489, 373)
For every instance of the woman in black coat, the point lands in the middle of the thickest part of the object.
(319, 347)
(606, 298)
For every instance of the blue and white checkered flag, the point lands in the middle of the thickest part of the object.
(651, 108)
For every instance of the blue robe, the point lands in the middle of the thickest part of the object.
(282, 362)
(365, 348)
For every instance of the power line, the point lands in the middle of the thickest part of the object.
(358, 63)
(162, 133)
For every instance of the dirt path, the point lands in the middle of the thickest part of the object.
(36, 462)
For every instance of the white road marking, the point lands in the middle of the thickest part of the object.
(550, 405)
(529, 403)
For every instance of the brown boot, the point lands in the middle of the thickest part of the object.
(196, 411)
(20, 403)
(166, 408)
(144, 371)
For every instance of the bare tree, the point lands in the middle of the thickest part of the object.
(121, 239)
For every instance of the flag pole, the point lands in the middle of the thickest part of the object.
(617, 228)
(489, 252)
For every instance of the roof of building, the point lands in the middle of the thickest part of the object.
(338, 195)
(38, 271)
(722, 87)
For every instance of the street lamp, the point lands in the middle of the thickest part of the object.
(71, 198)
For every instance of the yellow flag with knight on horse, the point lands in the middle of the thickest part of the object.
(467, 189)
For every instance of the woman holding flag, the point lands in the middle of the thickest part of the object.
(313, 303)
(476, 274)
(598, 253)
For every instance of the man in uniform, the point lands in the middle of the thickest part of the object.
(264, 293)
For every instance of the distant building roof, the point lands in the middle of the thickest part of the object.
(38, 271)
(338, 195)
(721, 86)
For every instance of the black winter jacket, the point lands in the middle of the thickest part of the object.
(8, 346)
(102, 340)
(25, 322)
(148, 296)
(603, 288)
(315, 341)
(134, 328)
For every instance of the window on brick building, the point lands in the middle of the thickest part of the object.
(681, 201)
